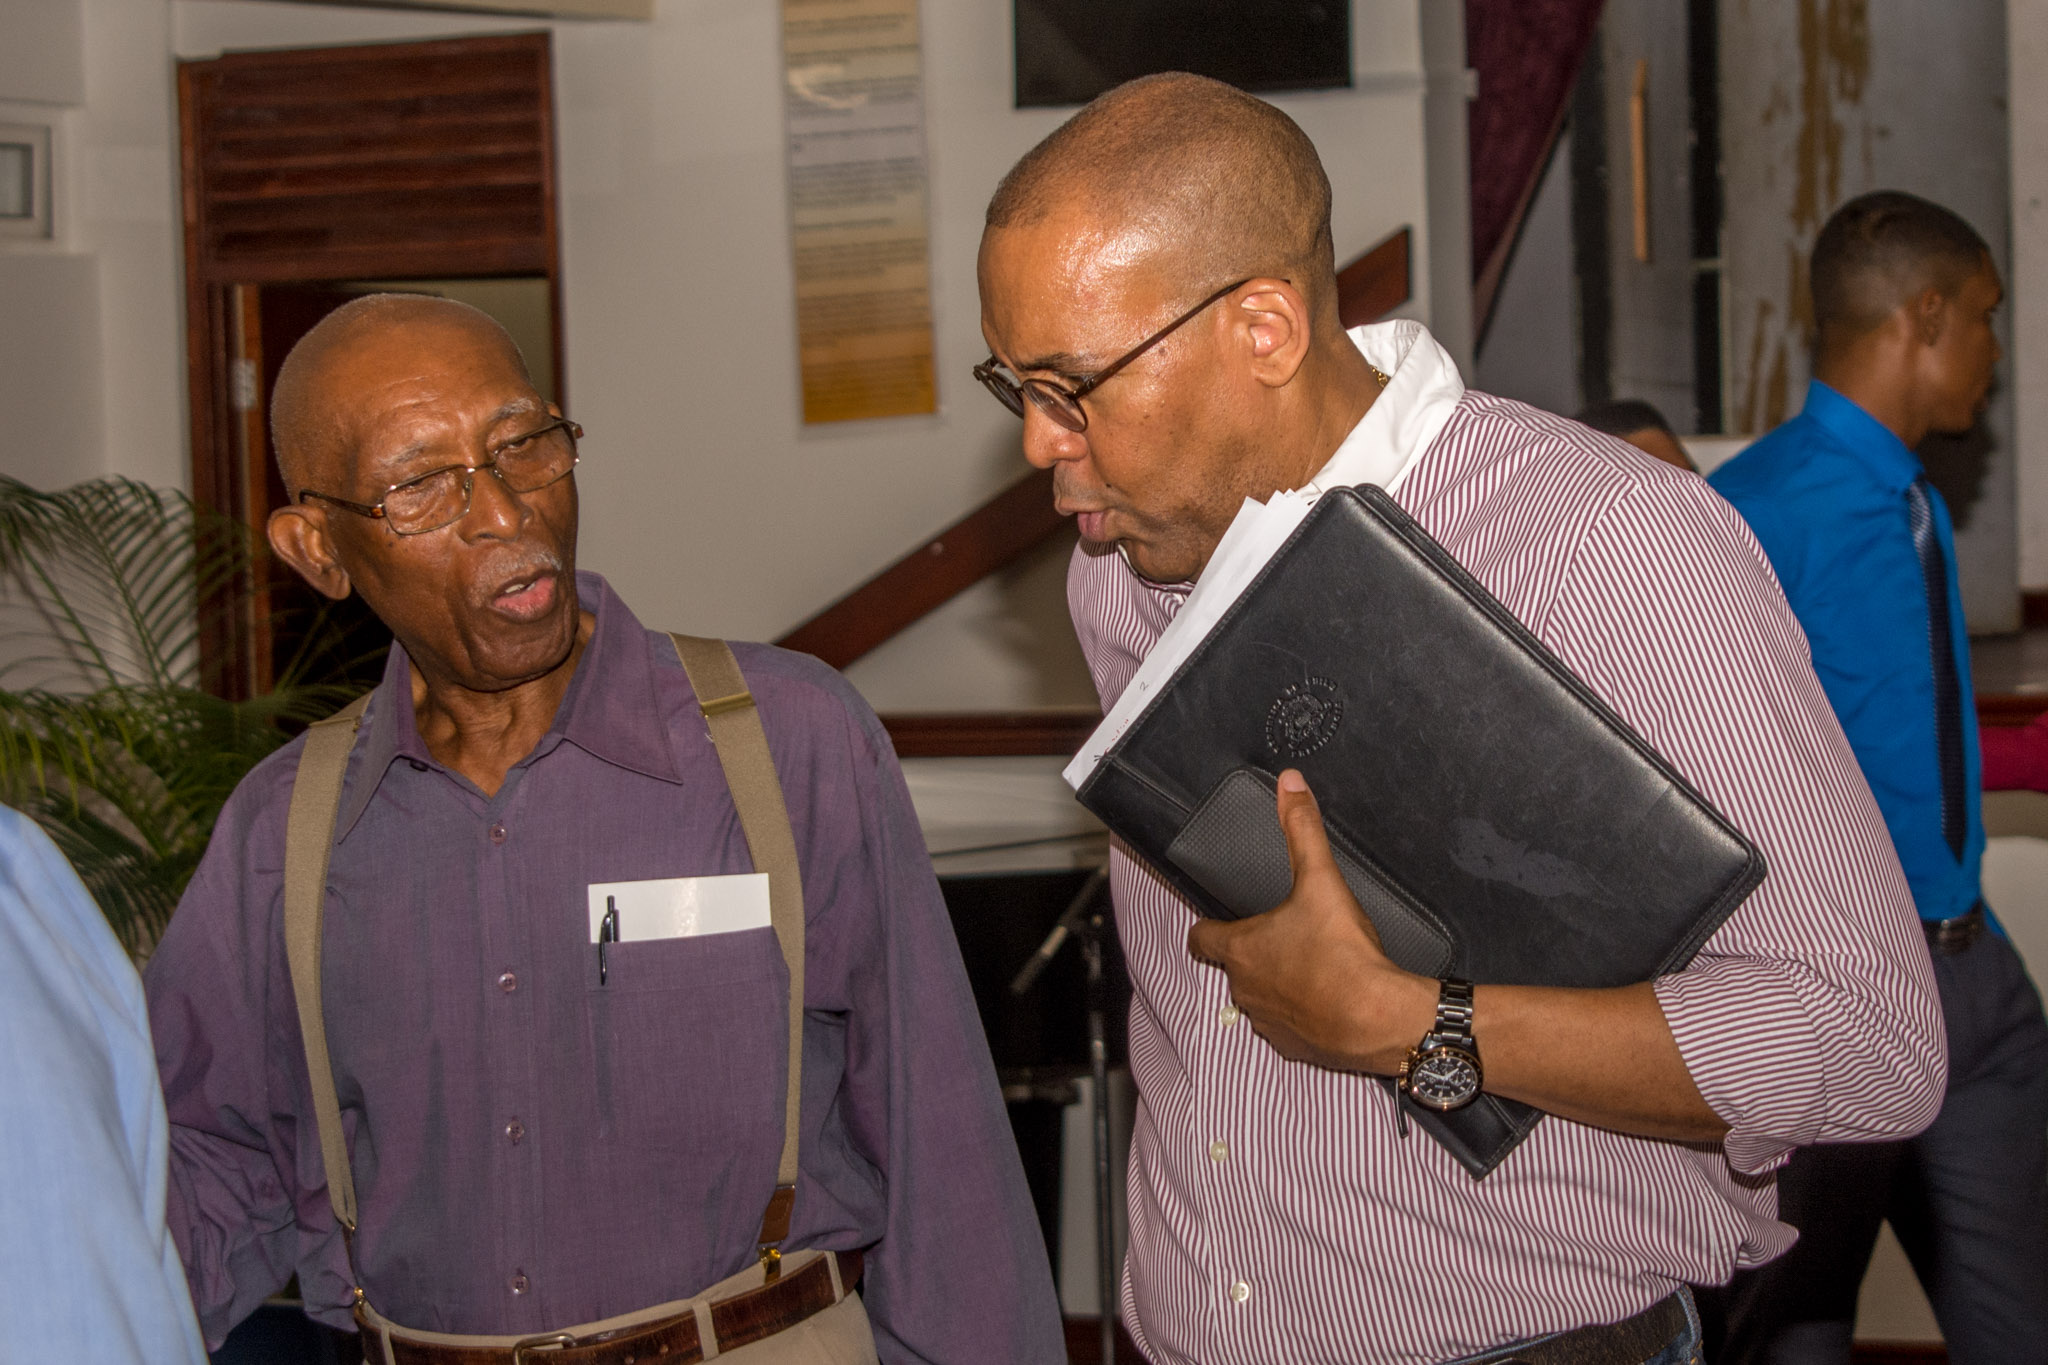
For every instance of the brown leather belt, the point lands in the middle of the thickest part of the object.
(1628, 1342)
(1946, 936)
(744, 1318)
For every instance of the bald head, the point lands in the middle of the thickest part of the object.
(311, 413)
(1160, 410)
(1208, 183)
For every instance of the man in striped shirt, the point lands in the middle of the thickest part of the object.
(1275, 1212)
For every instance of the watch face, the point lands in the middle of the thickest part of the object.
(1444, 1078)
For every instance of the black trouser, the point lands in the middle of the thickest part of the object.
(1968, 1199)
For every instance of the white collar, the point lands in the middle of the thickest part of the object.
(1422, 388)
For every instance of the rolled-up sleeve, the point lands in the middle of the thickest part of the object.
(1810, 1016)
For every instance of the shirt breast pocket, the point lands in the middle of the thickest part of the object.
(687, 1037)
(691, 963)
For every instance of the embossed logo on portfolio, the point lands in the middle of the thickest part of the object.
(1305, 717)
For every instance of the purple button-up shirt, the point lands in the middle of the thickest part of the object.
(532, 1149)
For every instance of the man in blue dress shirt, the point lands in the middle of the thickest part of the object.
(87, 1268)
(1904, 292)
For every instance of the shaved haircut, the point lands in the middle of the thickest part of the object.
(1224, 184)
(1882, 250)
(302, 419)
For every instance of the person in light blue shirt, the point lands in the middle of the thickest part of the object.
(88, 1271)
(1904, 293)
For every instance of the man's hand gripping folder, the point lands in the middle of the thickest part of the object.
(1496, 820)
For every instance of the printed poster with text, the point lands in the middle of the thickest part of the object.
(857, 197)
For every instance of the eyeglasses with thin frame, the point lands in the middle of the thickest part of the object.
(1062, 404)
(440, 497)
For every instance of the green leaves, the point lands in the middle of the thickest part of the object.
(105, 737)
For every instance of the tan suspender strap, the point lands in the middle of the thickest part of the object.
(308, 844)
(742, 746)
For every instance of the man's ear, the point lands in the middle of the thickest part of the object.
(299, 536)
(1930, 315)
(1275, 319)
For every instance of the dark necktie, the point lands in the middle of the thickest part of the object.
(1948, 702)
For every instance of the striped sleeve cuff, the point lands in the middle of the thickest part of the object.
(1788, 1059)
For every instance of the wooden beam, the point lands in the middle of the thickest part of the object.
(1376, 283)
(984, 734)
(1012, 523)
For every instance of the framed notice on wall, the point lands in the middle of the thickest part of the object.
(24, 180)
(854, 95)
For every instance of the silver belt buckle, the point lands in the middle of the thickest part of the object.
(547, 1341)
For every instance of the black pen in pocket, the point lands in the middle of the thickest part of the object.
(607, 935)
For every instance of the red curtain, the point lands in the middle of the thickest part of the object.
(1527, 55)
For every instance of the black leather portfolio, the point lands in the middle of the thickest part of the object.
(1495, 819)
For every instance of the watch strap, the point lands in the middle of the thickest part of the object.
(1453, 1014)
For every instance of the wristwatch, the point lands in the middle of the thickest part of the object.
(1442, 1071)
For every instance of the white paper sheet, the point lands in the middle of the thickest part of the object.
(682, 907)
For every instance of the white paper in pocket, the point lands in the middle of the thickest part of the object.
(682, 907)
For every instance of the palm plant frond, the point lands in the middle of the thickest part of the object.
(124, 760)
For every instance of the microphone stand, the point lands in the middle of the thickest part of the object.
(1083, 919)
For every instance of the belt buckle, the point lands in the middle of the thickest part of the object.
(1954, 935)
(547, 1341)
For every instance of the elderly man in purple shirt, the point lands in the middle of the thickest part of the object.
(538, 1139)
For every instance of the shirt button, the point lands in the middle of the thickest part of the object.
(497, 834)
(515, 1132)
(417, 766)
(508, 981)
(1227, 1016)
(519, 1282)
(1240, 1291)
(1219, 1150)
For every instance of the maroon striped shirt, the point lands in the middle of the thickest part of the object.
(1275, 1214)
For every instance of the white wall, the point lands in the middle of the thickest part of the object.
(705, 499)
(49, 366)
(43, 58)
(49, 310)
(2026, 53)
(1530, 352)
(1445, 270)
(124, 186)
